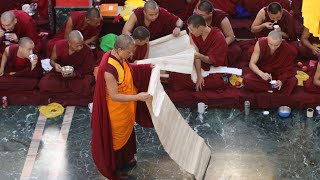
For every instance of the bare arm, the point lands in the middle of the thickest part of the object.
(69, 28)
(112, 88)
(227, 31)
(316, 79)
(53, 60)
(128, 26)
(305, 41)
(4, 60)
(258, 24)
(192, 43)
(253, 63)
(147, 53)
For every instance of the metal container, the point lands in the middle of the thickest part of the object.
(247, 108)
(67, 70)
(284, 111)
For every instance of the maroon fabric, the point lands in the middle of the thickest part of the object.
(43, 8)
(228, 6)
(126, 153)
(101, 143)
(176, 7)
(23, 21)
(140, 53)
(253, 7)
(233, 54)
(190, 9)
(306, 53)
(286, 24)
(217, 18)
(162, 26)
(310, 87)
(78, 22)
(214, 46)
(7, 5)
(82, 62)
(279, 65)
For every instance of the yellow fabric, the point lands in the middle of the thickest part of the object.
(119, 69)
(301, 76)
(130, 5)
(122, 114)
(234, 78)
(311, 16)
(52, 110)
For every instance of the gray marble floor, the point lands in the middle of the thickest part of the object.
(243, 147)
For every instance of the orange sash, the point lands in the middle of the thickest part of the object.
(122, 114)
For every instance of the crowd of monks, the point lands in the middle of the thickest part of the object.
(119, 82)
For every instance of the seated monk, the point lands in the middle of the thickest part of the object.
(253, 7)
(272, 15)
(20, 69)
(156, 19)
(141, 37)
(313, 83)
(88, 23)
(272, 59)
(16, 24)
(116, 109)
(70, 52)
(218, 18)
(310, 45)
(211, 50)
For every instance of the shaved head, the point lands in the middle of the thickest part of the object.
(275, 35)
(151, 4)
(205, 6)
(75, 35)
(93, 13)
(25, 40)
(7, 16)
(274, 8)
(123, 42)
(141, 33)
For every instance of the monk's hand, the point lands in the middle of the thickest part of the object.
(315, 50)
(13, 37)
(1, 33)
(176, 32)
(57, 67)
(268, 25)
(278, 85)
(199, 83)
(265, 76)
(143, 96)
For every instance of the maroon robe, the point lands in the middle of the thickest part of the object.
(82, 62)
(176, 7)
(140, 53)
(78, 20)
(162, 26)
(24, 79)
(106, 159)
(234, 50)
(310, 87)
(286, 24)
(306, 53)
(279, 65)
(228, 6)
(7, 5)
(215, 47)
(25, 27)
(253, 7)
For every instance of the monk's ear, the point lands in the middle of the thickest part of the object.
(15, 20)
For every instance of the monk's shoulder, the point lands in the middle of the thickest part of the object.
(77, 15)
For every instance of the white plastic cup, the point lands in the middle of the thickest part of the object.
(318, 109)
(310, 112)
(202, 107)
(276, 28)
(90, 106)
(32, 57)
(273, 83)
(6, 36)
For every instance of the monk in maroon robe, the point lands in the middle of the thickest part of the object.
(88, 23)
(141, 37)
(157, 20)
(253, 7)
(228, 6)
(270, 16)
(212, 50)
(117, 91)
(310, 46)
(272, 59)
(20, 69)
(218, 18)
(70, 52)
(17, 24)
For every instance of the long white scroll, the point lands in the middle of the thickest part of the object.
(179, 140)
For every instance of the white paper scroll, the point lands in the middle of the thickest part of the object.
(179, 140)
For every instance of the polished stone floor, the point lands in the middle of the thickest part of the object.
(253, 147)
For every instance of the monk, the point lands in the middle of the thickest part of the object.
(20, 69)
(253, 7)
(312, 85)
(273, 15)
(272, 59)
(156, 19)
(218, 18)
(88, 23)
(211, 50)
(70, 52)
(141, 37)
(114, 112)
(16, 24)
(310, 47)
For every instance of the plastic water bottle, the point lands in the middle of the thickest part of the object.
(247, 108)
